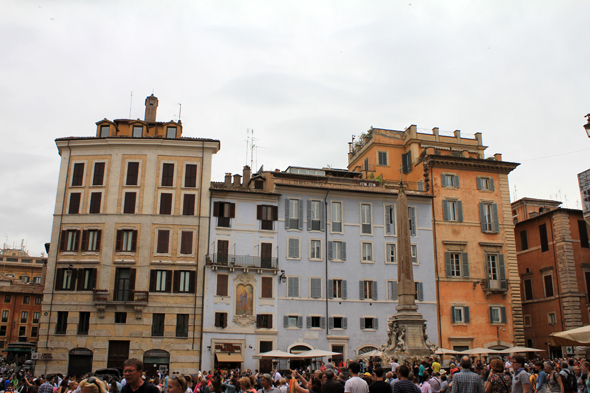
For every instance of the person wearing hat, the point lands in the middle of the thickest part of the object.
(266, 381)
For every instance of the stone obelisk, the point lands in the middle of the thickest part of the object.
(407, 330)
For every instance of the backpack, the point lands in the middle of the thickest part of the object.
(570, 384)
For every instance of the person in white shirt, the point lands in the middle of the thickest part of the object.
(394, 365)
(355, 384)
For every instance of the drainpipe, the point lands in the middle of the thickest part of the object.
(440, 343)
(63, 204)
(197, 256)
(204, 272)
(326, 256)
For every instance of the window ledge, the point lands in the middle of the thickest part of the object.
(293, 328)
(316, 260)
(368, 262)
(369, 330)
(460, 323)
(337, 260)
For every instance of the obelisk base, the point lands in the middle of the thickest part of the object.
(407, 339)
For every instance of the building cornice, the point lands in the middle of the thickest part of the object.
(212, 144)
(477, 164)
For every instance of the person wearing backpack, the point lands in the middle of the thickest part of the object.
(570, 383)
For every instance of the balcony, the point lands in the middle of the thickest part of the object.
(137, 299)
(243, 261)
(494, 287)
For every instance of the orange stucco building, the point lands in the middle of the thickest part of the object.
(478, 286)
(554, 265)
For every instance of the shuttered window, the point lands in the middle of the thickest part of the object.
(413, 222)
(293, 248)
(160, 280)
(293, 287)
(524, 241)
(583, 230)
(163, 241)
(188, 205)
(126, 240)
(181, 325)
(158, 325)
(165, 203)
(190, 175)
(316, 288)
(98, 178)
(184, 281)
(129, 205)
(78, 174)
(74, 206)
(266, 288)
(186, 242)
(222, 281)
(167, 175)
(488, 213)
(132, 173)
(69, 240)
(95, 199)
(221, 319)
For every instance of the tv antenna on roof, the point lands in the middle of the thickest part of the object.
(130, 104)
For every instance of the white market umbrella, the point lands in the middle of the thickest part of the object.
(521, 350)
(479, 351)
(573, 337)
(444, 351)
(316, 353)
(275, 354)
(372, 353)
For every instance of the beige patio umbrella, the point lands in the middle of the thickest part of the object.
(275, 354)
(444, 351)
(316, 353)
(372, 353)
(478, 351)
(521, 350)
(573, 337)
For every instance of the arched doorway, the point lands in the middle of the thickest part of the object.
(154, 360)
(366, 349)
(300, 363)
(79, 361)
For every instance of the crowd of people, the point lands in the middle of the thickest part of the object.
(513, 375)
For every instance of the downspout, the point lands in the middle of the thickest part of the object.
(63, 204)
(326, 255)
(204, 272)
(438, 316)
(197, 254)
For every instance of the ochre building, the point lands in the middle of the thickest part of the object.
(477, 281)
(128, 242)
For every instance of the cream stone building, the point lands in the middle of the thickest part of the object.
(129, 238)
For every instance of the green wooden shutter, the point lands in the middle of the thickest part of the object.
(322, 216)
(448, 264)
(286, 213)
(445, 205)
(466, 314)
(491, 316)
(496, 221)
(344, 323)
(299, 322)
(503, 314)
(330, 252)
(420, 291)
(308, 322)
(285, 321)
(479, 183)
(375, 297)
(361, 290)
(331, 323)
(492, 188)
(344, 251)
(309, 215)
(502, 271)
(465, 264)
(362, 320)
(376, 323)
(453, 314)
(344, 293)
(323, 322)
(443, 180)
(456, 181)
(330, 289)
(413, 223)
(459, 205)
(300, 218)
(482, 217)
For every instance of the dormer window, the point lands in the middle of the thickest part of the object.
(171, 132)
(105, 131)
(137, 131)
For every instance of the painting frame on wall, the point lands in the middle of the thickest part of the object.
(244, 299)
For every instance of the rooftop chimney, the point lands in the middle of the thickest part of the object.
(237, 180)
(228, 179)
(498, 157)
(151, 107)
(246, 175)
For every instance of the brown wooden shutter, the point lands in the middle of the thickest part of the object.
(232, 210)
(168, 281)
(188, 208)
(62, 240)
(129, 204)
(82, 275)
(153, 274)
(59, 279)
(117, 274)
(192, 280)
(167, 175)
(259, 212)
(217, 319)
(74, 207)
(275, 213)
(186, 242)
(258, 321)
(74, 280)
(269, 321)
(131, 284)
(98, 174)
(165, 203)
(77, 241)
(119, 240)
(93, 281)
(132, 173)
(190, 179)
(163, 241)
(224, 320)
(84, 246)
(215, 209)
(134, 240)
(98, 233)
(176, 285)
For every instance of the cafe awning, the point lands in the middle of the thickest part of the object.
(229, 357)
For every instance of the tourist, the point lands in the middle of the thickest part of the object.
(466, 381)
(498, 381)
(435, 366)
(266, 381)
(553, 379)
(379, 386)
(444, 384)
(92, 385)
(541, 385)
(313, 386)
(46, 387)
(177, 384)
(521, 382)
(245, 385)
(355, 384)
(394, 365)
(403, 384)
(331, 386)
(389, 377)
(435, 382)
(133, 372)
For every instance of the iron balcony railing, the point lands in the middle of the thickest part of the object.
(496, 285)
(244, 261)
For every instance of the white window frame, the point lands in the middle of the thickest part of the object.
(389, 289)
(456, 267)
(373, 318)
(126, 241)
(168, 128)
(366, 219)
(290, 316)
(170, 239)
(489, 216)
(311, 321)
(393, 208)
(95, 249)
(337, 286)
(493, 272)
(313, 257)
(388, 254)
(337, 247)
(367, 258)
(341, 222)
(298, 258)
(453, 213)
(461, 311)
(134, 128)
(102, 127)
(368, 289)
(184, 164)
(552, 318)
(450, 180)
(316, 214)
(414, 253)
(499, 311)
(485, 183)
(296, 213)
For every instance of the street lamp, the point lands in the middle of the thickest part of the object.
(587, 125)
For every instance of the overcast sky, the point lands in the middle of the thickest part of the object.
(305, 75)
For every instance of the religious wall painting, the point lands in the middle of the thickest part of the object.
(244, 299)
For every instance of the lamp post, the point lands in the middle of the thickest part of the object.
(587, 125)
